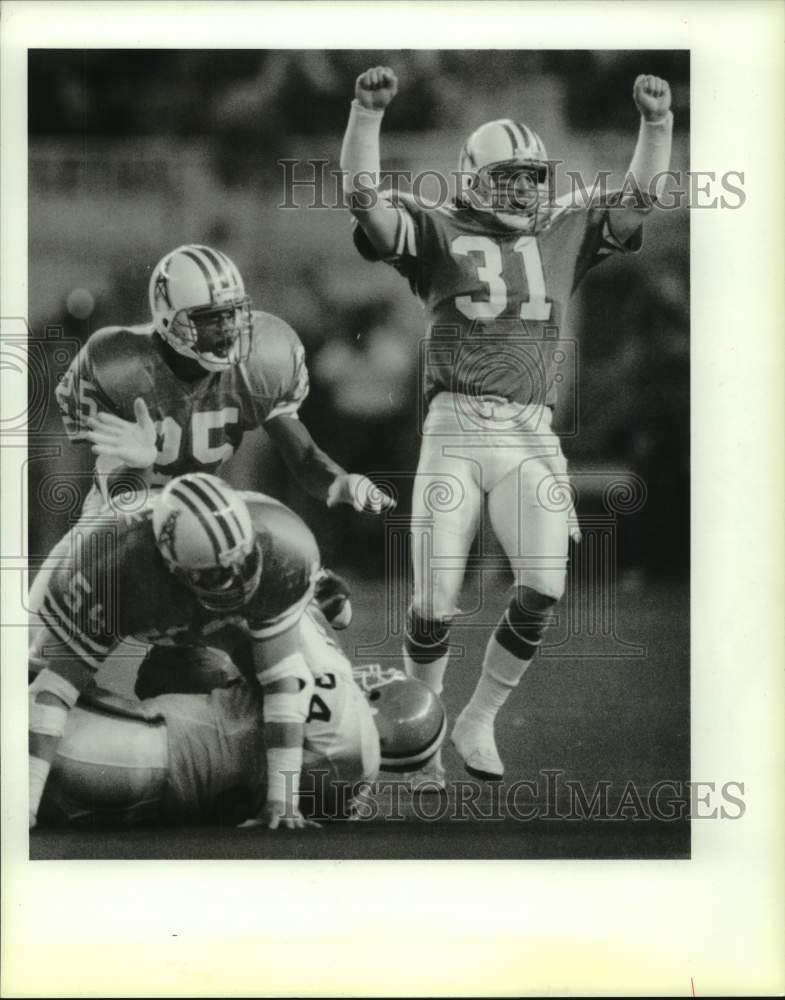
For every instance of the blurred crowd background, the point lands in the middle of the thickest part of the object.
(132, 153)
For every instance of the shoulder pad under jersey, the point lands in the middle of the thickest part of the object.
(276, 369)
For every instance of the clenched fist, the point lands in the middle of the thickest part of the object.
(376, 87)
(652, 97)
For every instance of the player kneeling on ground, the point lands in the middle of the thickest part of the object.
(193, 758)
(195, 560)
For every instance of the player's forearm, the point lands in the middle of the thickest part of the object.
(51, 697)
(652, 154)
(360, 162)
(313, 468)
(285, 707)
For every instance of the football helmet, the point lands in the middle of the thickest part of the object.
(409, 717)
(199, 307)
(207, 540)
(504, 169)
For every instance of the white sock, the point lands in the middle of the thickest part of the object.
(431, 674)
(501, 674)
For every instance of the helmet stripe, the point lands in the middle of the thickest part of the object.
(183, 496)
(230, 266)
(526, 134)
(192, 255)
(220, 268)
(218, 515)
(507, 126)
(212, 487)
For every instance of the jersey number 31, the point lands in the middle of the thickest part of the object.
(489, 265)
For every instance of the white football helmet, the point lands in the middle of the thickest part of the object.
(504, 169)
(200, 308)
(409, 717)
(205, 535)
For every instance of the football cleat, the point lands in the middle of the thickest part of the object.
(504, 169)
(199, 307)
(204, 534)
(474, 740)
(409, 717)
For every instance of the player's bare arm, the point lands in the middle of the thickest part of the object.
(51, 697)
(651, 158)
(360, 157)
(318, 474)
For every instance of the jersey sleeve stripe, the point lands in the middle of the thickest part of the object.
(55, 609)
(69, 641)
(400, 234)
(284, 409)
(410, 236)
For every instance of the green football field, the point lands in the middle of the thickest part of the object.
(596, 741)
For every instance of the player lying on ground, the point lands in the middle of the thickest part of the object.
(495, 270)
(196, 561)
(177, 395)
(188, 758)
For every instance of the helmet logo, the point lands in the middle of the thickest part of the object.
(166, 535)
(162, 289)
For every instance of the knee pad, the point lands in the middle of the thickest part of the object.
(523, 623)
(427, 639)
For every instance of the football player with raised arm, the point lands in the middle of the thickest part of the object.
(186, 758)
(495, 270)
(192, 560)
(177, 394)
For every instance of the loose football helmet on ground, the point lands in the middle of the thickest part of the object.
(504, 169)
(409, 717)
(205, 535)
(199, 306)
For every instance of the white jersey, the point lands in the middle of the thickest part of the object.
(194, 757)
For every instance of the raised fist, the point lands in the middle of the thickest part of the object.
(376, 87)
(652, 97)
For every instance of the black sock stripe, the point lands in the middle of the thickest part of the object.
(514, 643)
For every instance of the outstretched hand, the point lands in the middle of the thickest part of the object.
(132, 443)
(278, 814)
(360, 492)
